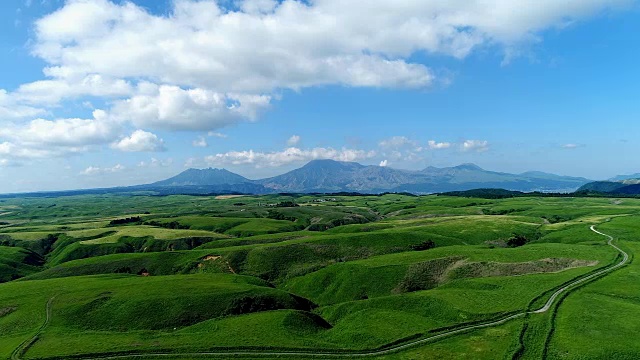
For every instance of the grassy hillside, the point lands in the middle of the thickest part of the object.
(321, 273)
(600, 321)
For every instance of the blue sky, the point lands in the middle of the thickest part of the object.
(101, 93)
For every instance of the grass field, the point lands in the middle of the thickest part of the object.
(603, 318)
(123, 274)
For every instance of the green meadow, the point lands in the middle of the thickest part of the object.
(204, 276)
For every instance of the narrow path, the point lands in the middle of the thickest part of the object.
(625, 259)
(24, 346)
(393, 349)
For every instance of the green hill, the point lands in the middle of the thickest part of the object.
(118, 275)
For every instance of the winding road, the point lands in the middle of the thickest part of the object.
(24, 346)
(393, 349)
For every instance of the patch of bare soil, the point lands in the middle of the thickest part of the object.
(225, 197)
(496, 243)
(427, 275)
(214, 258)
(8, 310)
(489, 269)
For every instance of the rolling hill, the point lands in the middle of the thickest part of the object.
(627, 187)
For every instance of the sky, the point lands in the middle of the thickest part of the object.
(99, 93)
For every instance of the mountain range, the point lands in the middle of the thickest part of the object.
(336, 176)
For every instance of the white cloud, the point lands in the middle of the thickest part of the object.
(202, 66)
(570, 146)
(12, 109)
(92, 170)
(42, 138)
(155, 163)
(193, 162)
(174, 108)
(200, 142)
(287, 156)
(52, 91)
(63, 132)
(433, 145)
(396, 142)
(475, 145)
(9, 150)
(293, 140)
(214, 66)
(217, 134)
(292, 44)
(258, 6)
(140, 141)
(401, 148)
(383, 163)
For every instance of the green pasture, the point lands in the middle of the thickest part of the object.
(335, 273)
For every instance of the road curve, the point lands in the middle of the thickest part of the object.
(393, 349)
(625, 259)
(22, 348)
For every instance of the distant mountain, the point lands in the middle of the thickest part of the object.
(197, 177)
(332, 176)
(601, 186)
(625, 187)
(336, 176)
(626, 177)
(617, 185)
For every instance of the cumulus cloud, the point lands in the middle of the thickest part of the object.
(42, 138)
(200, 142)
(204, 65)
(93, 170)
(52, 91)
(287, 156)
(292, 44)
(383, 163)
(155, 163)
(433, 145)
(9, 150)
(63, 132)
(293, 140)
(140, 141)
(475, 145)
(12, 109)
(401, 148)
(223, 64)
(175, 108)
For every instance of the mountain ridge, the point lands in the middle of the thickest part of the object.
(199, 177)
(339, 176)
